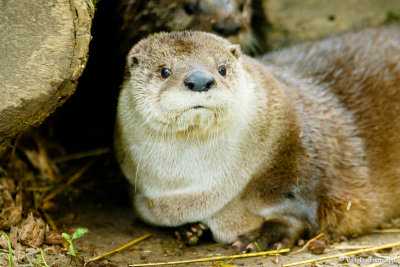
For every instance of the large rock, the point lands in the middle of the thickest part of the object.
(43, 51)
(293, 20)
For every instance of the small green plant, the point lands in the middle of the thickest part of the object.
(78, 233)
(258, 247)
(298, 184)
(42, 262)
(10, 250)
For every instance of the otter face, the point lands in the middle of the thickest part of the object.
(185, 82)
(228, 18)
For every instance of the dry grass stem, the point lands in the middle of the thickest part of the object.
(349, 247)
(39, 189)
(391, 245)
(221, 264)
(118, 249)
(308, 244)
(49, 220)
(46, 167)
(85, 154)
(383, 231)
(216, 258)
(70, 181)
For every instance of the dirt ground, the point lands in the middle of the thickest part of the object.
(100, 202)
(113, 226)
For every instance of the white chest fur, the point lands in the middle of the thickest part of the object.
(175, 166)
(191, 180)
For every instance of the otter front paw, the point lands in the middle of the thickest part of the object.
(189, 234)
(271, 235)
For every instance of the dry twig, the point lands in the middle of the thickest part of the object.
(384, 231)
(118, 249)
(221, 264)
(216, 258)
(49, 220)
(85, 154)
(344, 254)
(70, 181)
(349, 247)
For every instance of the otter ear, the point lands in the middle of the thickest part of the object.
(235, 50)
(132, 60)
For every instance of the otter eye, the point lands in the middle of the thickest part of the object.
(222, 70)
(165, 73)
(189, 9)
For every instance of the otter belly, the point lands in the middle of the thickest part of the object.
(180, 183)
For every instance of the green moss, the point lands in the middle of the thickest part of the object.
(95, 2)
(392, 16)
(22, 123)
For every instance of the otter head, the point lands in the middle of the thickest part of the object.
(185, 82)
(228, 18)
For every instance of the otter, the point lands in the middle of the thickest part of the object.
(233, 19)
(299, 141)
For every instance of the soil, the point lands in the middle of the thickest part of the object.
(105, 210)
(111, 227)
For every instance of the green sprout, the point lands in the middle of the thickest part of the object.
(78, 233)
(258, 247)
(42, 262)
(10, 250)
(298, 184)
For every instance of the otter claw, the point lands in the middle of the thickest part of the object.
(237, 244)
(251, 247)
(190, 234)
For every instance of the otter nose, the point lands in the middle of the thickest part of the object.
(199, 81)
(227, 27)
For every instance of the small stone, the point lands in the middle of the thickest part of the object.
(317, 247)
(53, 237)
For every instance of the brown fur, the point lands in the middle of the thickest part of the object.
(139, 18)
(361, 71)
(320, 150)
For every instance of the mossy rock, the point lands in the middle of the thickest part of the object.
(293, 21)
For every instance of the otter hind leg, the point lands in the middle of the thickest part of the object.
(283, 224)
